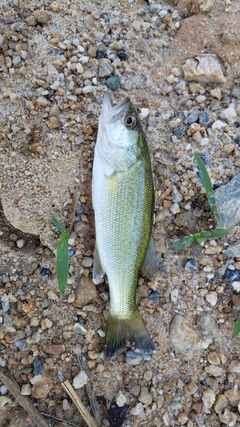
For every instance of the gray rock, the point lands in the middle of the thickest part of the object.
(236, 91)
(86, 293)
(145, 397)
(192, 118)
(113, 82)
(233, 250)
(228, 203)
(134, 389)
(190, 265)
(105, 68)
(207, 325)
(182, 334)
(180, 131)
(133, 358)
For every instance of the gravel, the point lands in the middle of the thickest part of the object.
(57, 59)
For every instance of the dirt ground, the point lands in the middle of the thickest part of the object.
(56, 60)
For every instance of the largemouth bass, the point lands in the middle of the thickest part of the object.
(123, 201)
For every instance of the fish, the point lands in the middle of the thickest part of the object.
(123, 202)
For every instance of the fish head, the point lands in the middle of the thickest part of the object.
(119, 134)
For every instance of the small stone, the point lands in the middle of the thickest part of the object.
(113, 82)
(42, 16)
(180, 131)
(89, 89)
(79, 329)
(37, 367)
(220, 403)
(228, 148)
(54, 6)
(80, 379)
(213, 358)
(190, 265)
(174, 295)
(133, 358)
(137, 410)
(105, 68)
(233, 396)
(234, 366)
(53, 122)
(120, 399)
(145, 397)
(85, 293)
(134, 389)
(204, 117)
(236, 285)
(218, 124)
(236, 91)
(144, 113)
(46, 324)
(175, 208)
(212, 298)
(20, 243)
(215, 371)
(1, 40)
(55, 349)
(154, 297)
(26, 390)
(216, 93)
(228, 418)
(229, 114)
(182, 335)
(193, 117)
(17, 61)
(204, 68)
(42, 101)
(87, 262)
(79, 68)
(182, 418)
(227, 199)
(41, 388)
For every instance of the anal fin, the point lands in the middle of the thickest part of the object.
(150, 265)
(98, 272)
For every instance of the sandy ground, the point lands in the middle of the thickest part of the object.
(55, 62)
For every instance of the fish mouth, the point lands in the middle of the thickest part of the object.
(110, 113)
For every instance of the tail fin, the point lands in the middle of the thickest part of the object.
(120, 332)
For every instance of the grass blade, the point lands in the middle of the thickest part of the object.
(60, 227)
(191, 222)
(62, 262)
(212, 204)
(179, 244)
(236, 328)
(217, 232)
(206, 181)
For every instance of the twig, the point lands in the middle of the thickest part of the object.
(9, 20)
(58, 419)
(23, 401)
(89, 389)
(80, 406)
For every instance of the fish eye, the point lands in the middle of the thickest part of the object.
(130, 121)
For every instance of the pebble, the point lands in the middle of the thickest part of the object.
(133, 358)
(236, 285)
(175, 208)
(86, 293)
(42, 16)
(144, 113)
(233, 396)
(228, 418)
(145, 397)
(216, 92)
(20, 243)
(227, 199)
(234, 366)
(182, 334)
(46, 324)
(80, 379)
(180, 131)
(236, 91)
(105, 68)
(137, 410)
(215, 371)
(133, 389)
(213, 358)
(26, 390)
(79, 329)
(193, 117)
(55, 349)
(174, 295)
(220, 403)
(87, 262)
(41, 388)
(190, 265)
(120, 399)
(212, 298)
(113, 82)
(204, 117)
(208, 398)
(229, 114)
(218, 124)
(232, 276)
(204, 68)
(154, 297)
(37, 367)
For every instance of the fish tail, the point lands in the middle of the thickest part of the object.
(124, 332)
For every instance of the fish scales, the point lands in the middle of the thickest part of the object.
(123, 204)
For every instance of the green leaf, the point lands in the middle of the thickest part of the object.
(62, 262)
(179, 244)
(236, 328)
(60, 227)
(206, 181)
(216, 232)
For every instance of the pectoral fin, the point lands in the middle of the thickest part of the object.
(150, 265)
(98, 272)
